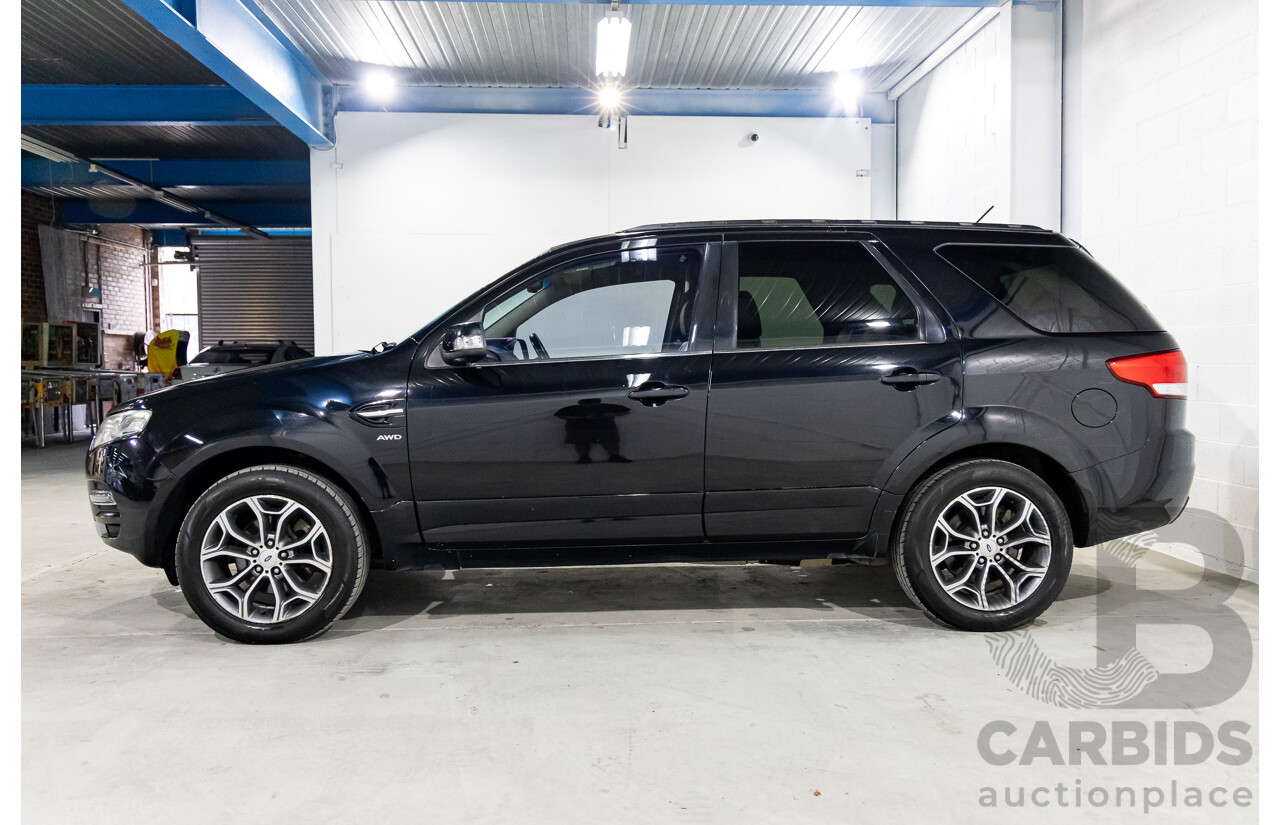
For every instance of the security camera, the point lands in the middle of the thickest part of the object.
(753, 137)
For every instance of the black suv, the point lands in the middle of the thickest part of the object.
(966, 402)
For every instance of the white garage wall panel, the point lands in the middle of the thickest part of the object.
(953, 135)
(1161, 183)
(984, 127)
(413, 212)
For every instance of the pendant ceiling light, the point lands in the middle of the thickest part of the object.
(613, 37)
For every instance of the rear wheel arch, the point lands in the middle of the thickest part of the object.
(1038, 462)
(204, 475)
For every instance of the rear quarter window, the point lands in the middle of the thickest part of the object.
(1057, 289)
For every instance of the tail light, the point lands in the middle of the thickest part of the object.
(1164, 374)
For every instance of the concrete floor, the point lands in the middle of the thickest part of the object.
(734, 694)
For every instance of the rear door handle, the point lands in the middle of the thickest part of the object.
(656, 393)
(908, 378)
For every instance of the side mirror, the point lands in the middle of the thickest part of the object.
(464, 344)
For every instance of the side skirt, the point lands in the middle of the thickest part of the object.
(860, 550)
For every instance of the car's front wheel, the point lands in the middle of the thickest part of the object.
(983, 545)
(272, 553)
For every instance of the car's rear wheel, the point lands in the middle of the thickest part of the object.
(272, 553)
(983, 545)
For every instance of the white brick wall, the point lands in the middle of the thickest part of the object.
(953, 132)
(1161, 183)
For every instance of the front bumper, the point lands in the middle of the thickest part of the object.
(128, 488)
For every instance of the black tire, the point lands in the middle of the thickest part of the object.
(347, 545)
(910, 548)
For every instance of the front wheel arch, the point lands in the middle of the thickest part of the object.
(203, 476)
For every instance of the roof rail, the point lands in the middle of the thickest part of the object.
(791, 223)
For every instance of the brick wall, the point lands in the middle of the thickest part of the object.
(36, 209)
(125, 309)
(125, 305)
(1161, 182)
(124, 279)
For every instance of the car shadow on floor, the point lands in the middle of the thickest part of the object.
(871, 591)
(391, 598)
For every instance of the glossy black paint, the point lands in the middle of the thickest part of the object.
(709, 453)
(797, 436)
(564, 452)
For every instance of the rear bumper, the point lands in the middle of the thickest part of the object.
(138, 486)
(1140, 491)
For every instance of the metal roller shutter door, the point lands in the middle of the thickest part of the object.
(254, 291)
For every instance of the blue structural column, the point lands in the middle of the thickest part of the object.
(239, 43)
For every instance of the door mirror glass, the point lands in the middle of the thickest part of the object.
(464, 344)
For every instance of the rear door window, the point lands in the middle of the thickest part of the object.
(1058, 289)
(795, 294)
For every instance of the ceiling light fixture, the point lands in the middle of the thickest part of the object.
(380, 85)
(611, 114)
(610, 98)
(46, 151)
(848, 91)
(613, 38)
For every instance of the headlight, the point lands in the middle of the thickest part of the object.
(121, 425)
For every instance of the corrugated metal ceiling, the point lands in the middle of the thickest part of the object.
(101, 41)
(672, 47)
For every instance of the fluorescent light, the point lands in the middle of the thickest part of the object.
(380, 85)
(46, 151)
(610, 98)
(848, 89)
(613, 37)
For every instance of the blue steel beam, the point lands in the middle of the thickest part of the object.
(172, 236)
(138, 106)
(155, 213)
(169, 237)
(275, 232)
(38, 171)
(243, 47)
(568, 101)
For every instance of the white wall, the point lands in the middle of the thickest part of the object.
(884, 171)
(983, 128)
(1161, 183)
(413, 212)
(953, 135)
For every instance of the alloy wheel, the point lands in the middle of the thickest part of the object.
(990, 548)
(266, 559)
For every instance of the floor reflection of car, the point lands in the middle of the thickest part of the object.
(228, 357)
(965, 403)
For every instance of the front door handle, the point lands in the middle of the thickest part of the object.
(906, 379)
(656, 393)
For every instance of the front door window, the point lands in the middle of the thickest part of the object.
(623, 303)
